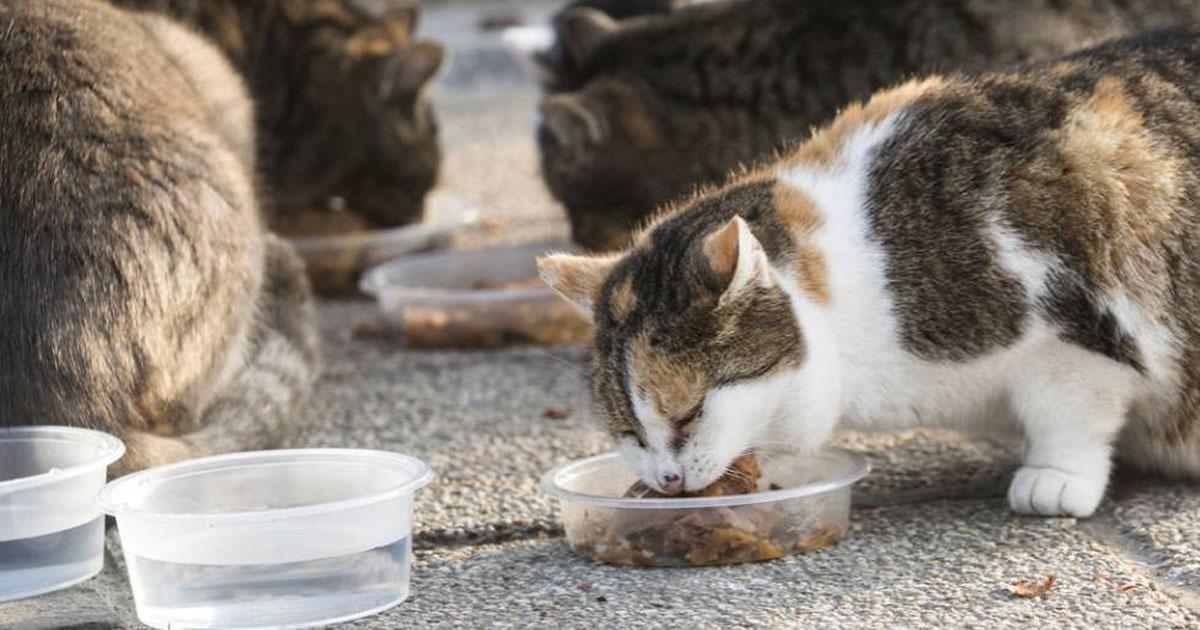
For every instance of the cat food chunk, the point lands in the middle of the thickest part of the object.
(741, 478)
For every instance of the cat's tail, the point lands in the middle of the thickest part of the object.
(258, 407)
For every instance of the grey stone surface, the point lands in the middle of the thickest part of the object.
(931, 542)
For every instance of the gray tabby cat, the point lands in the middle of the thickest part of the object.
(1018, 251)
(139, 291)
(656, 106)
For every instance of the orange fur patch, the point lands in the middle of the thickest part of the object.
(623, 299)
(799, 213)
(824, 148)
(1132, 182)
(674, 388)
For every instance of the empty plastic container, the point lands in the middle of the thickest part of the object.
(803, 505)
(51, 530)
(288, 538)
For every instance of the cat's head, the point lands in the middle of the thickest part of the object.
(348, 122)
(618, 140)
(607, 157)
(697, 347)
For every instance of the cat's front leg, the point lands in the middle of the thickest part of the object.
(1071, 405)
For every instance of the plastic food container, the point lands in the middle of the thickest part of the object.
(334, 261)
(287, 538)
(478, 298)
(51, 531)
(809, 510)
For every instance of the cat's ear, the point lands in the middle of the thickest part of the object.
(402, 20)
(738, 258)
(577, 278)
(572, 123)
(400, 74)
(418, 64)
(584, 29)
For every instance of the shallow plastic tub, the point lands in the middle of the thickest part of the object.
(334, 261)
(476, 298)
(51, 531)
(287, 538)
(803, 505)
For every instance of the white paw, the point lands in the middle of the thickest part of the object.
(1053, 492)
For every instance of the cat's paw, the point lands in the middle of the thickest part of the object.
(1054, 492)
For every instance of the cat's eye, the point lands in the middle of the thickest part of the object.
(689, 417)
(632, 435)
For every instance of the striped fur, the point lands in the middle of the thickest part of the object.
(140, 293)
(657, 105)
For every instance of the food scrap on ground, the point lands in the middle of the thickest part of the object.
(558, 413)
(1033, 588)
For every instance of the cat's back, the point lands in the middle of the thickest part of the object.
(129, 225)
(86, 60)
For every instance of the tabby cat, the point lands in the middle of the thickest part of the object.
(1019, 250)
(343, 122)
(658, 105)
(139, 292)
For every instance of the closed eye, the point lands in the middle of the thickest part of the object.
(632, 435)
(689, 417)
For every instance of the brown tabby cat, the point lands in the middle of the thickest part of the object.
(139, 292)
(1018, 250)
(343, 122)
(662, 104)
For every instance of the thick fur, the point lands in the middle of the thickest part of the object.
(140, 293)
(343, 121)
(1016, 251)
(558, 67)
(659, 105)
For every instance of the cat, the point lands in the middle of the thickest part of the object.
(344, 123)
(1021, 247)
(139, 291)
(661, 104)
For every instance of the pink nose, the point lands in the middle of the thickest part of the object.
(672, 483)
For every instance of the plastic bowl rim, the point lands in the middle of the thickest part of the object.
(113, 449)
(311, 243)
(859, 468)
(423, 474)
(372, 283)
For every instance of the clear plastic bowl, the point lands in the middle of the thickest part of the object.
(287, 538)
(809, 510)
(334, 261)
(51, 531)
(477, 298)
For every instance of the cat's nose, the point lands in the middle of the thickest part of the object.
(672, 483)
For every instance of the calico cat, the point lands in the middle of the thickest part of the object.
(661, 104)
(343, 120)
(140, 293)
(963, 252)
